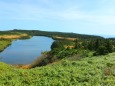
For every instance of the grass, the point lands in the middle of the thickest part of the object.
(14, 36)
(4, 43)
(6, 40)
(90, 71)
(64, 38)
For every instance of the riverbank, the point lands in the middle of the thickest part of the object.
(4, 43)
(6, 39)
(26, 51)
(34, 64)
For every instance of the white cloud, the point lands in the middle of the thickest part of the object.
(27, 11)
(104, 19)
(102, 13)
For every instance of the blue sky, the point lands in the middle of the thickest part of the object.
(78, 16)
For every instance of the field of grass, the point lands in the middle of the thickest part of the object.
(4, 43)
(90, 71)
(14, 36)
(63, 38)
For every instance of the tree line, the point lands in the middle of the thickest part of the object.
(99, 46)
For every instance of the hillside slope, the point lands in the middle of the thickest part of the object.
(90, 71)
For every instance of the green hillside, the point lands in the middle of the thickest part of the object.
(74, 60)
(90, 71)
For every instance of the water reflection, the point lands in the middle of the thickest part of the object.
(25, 51)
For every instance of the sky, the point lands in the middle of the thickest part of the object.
(77, 16)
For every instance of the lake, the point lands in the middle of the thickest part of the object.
(26, 51)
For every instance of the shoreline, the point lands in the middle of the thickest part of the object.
(9, 39)
(30, 65)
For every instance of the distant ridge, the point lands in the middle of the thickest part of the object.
(51, 34)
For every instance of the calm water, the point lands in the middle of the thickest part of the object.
(25, 51)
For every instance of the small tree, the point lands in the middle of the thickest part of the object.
(57, 44)
(109, 46)
(77, 44)
(101, 51)
(97, 44)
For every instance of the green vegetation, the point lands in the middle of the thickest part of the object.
(61, 44)
(4, 43)
(53, 34)
(93, 71)
(99, 46)
(77, 60)
(78, 48)
(7, 37)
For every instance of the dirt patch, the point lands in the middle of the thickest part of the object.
(13, 36)
(70, 47)
(66, 38)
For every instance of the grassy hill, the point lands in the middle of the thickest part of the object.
(90, 71)
(65, 70)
